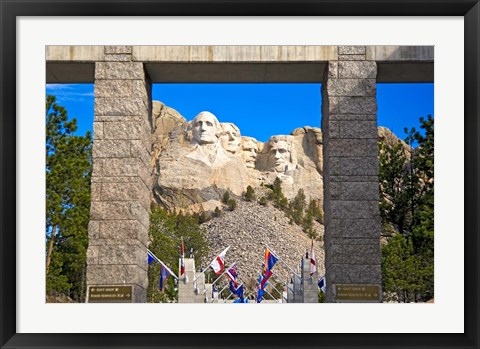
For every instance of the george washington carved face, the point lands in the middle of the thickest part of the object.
(205, 128)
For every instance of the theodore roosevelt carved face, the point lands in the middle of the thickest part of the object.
(249, 151)
(205, 128)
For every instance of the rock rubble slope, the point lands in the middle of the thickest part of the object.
(249, 226)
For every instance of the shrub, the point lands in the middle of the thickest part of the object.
(250, 194)
(232, 204)
(263, 201)
(226, 197)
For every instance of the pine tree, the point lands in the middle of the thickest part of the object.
(407, 203)
(297, 206)
(226, 197)
(166, 231)
(250, 194)
(402, 274)
(277, 197)
(68, 172)
(394, 182)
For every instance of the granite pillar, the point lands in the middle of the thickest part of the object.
(121, 178)
(351, 193)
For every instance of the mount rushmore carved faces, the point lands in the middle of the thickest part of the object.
(192, 163)
(230, 137)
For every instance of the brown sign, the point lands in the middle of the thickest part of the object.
(357, 293)
(110, 294)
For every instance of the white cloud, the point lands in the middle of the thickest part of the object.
(65, 92)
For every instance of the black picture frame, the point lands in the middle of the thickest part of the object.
(9, 10)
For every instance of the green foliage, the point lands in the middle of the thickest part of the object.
(263, 201)
(226, 197)
(296, 210)
(275, 292)
(307, 225)
(218, 212)
(403, 273)
(321, 297)
(203, 217)
(68, 173)
(296, 207)
(166, 232)
(315, 211)
(277, 197)
(56, 281)
(407, 205)
(250, 194)
(394, 182)
(232, 204)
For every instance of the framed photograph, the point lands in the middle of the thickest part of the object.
(422, 32)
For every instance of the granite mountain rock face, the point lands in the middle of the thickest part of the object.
(195, 162)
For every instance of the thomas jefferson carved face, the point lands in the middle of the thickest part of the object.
(230, 137)
(249, 154)
(205, 128)
(279, 155)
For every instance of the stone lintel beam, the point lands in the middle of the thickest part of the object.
(76, 64)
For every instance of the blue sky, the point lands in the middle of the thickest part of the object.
(260, 110)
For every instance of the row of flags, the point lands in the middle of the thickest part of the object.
(218, 266)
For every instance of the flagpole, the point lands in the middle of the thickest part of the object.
(271, 296)
(276, 255)
(203, 272)
(284, 283)
(281, 293)
(219, 292)
(231, 294)
(226, 299)
(265, 289)
(218, 278)
(159, 261)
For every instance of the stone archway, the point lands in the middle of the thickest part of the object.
(121, 180)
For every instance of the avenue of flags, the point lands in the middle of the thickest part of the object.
(270, 259)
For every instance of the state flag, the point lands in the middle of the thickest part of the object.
(269, 262)
(322, 285)
(218, 264)
(232, 274)
(164, 273)
(150, 257)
